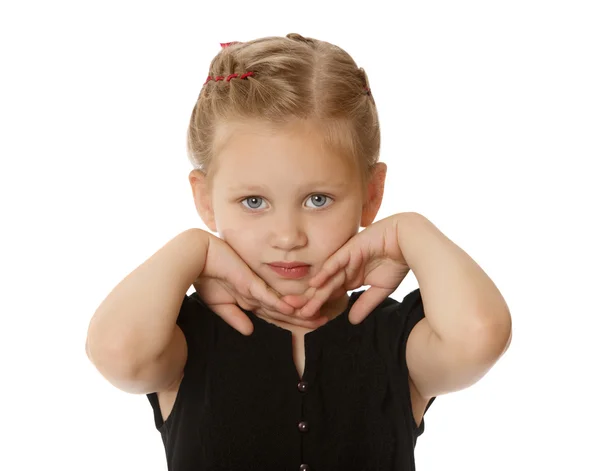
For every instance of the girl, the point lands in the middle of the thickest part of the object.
(270, 364)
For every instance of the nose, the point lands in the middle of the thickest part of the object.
(287, 231)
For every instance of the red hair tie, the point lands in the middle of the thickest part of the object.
(228, 78)
(224, 45)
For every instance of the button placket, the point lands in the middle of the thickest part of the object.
(303, 425)
(302, 386)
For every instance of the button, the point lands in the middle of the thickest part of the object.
(302, 386)
(304, 467)
(303, 426)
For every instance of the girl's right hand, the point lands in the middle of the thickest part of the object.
(227, 281)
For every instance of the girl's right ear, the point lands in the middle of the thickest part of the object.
(202, 198)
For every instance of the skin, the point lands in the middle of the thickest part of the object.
(308, 204)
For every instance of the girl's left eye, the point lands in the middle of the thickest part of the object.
(319, 200)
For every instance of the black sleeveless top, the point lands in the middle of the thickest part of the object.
(242, 407)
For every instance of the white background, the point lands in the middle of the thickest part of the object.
(490, 116)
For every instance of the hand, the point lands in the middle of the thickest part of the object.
(372, 257)
(227, 281)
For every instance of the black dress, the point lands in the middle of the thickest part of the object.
(242, 407)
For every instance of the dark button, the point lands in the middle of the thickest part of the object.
(304, 467)
(302, 386)
(303, 426)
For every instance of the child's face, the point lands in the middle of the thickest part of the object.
(281, 197)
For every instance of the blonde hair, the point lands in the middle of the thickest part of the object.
(278, 80)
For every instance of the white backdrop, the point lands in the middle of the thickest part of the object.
(490, 128)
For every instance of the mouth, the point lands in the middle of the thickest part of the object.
(290, 270)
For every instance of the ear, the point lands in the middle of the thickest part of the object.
(374, 196)
(202, 198)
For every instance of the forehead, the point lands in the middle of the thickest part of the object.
(261, 151)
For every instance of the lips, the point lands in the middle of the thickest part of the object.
(288, 264)
(290, 270)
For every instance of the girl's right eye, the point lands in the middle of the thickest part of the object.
(254, 202)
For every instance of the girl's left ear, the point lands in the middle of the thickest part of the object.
(375, 189)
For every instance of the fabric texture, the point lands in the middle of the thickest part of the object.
(242, 406)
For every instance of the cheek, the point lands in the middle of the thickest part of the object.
(228, 225)
(332, 235)
(239, 239)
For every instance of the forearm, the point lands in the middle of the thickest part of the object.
(461, 303)
(135, 322)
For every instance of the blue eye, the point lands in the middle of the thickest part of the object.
(254, 200)
(319, 200)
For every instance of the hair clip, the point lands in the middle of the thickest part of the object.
(224, 45)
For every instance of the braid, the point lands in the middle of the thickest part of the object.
(295, 37)
(229, 77)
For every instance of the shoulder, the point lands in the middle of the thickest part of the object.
(400, 315)
(194, 310)
(392, 322)
(197, 321)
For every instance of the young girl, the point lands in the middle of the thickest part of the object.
(270, 364)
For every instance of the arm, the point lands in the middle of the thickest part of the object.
(136, 323)
(467, 324)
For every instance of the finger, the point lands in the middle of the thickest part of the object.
(366, 303)
(355, 270)
(245, 302)
(260, 291)
(315, 310)
(330, 267)
(299, 300)
(236, 318)
(323, 294)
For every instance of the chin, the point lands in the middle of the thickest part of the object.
(285, 287)
(288, 287)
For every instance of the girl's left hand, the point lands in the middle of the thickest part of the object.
(371, 257)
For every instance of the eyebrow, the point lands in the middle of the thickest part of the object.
(264, 189)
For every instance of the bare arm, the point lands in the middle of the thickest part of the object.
(136, 323)
(467, 324)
